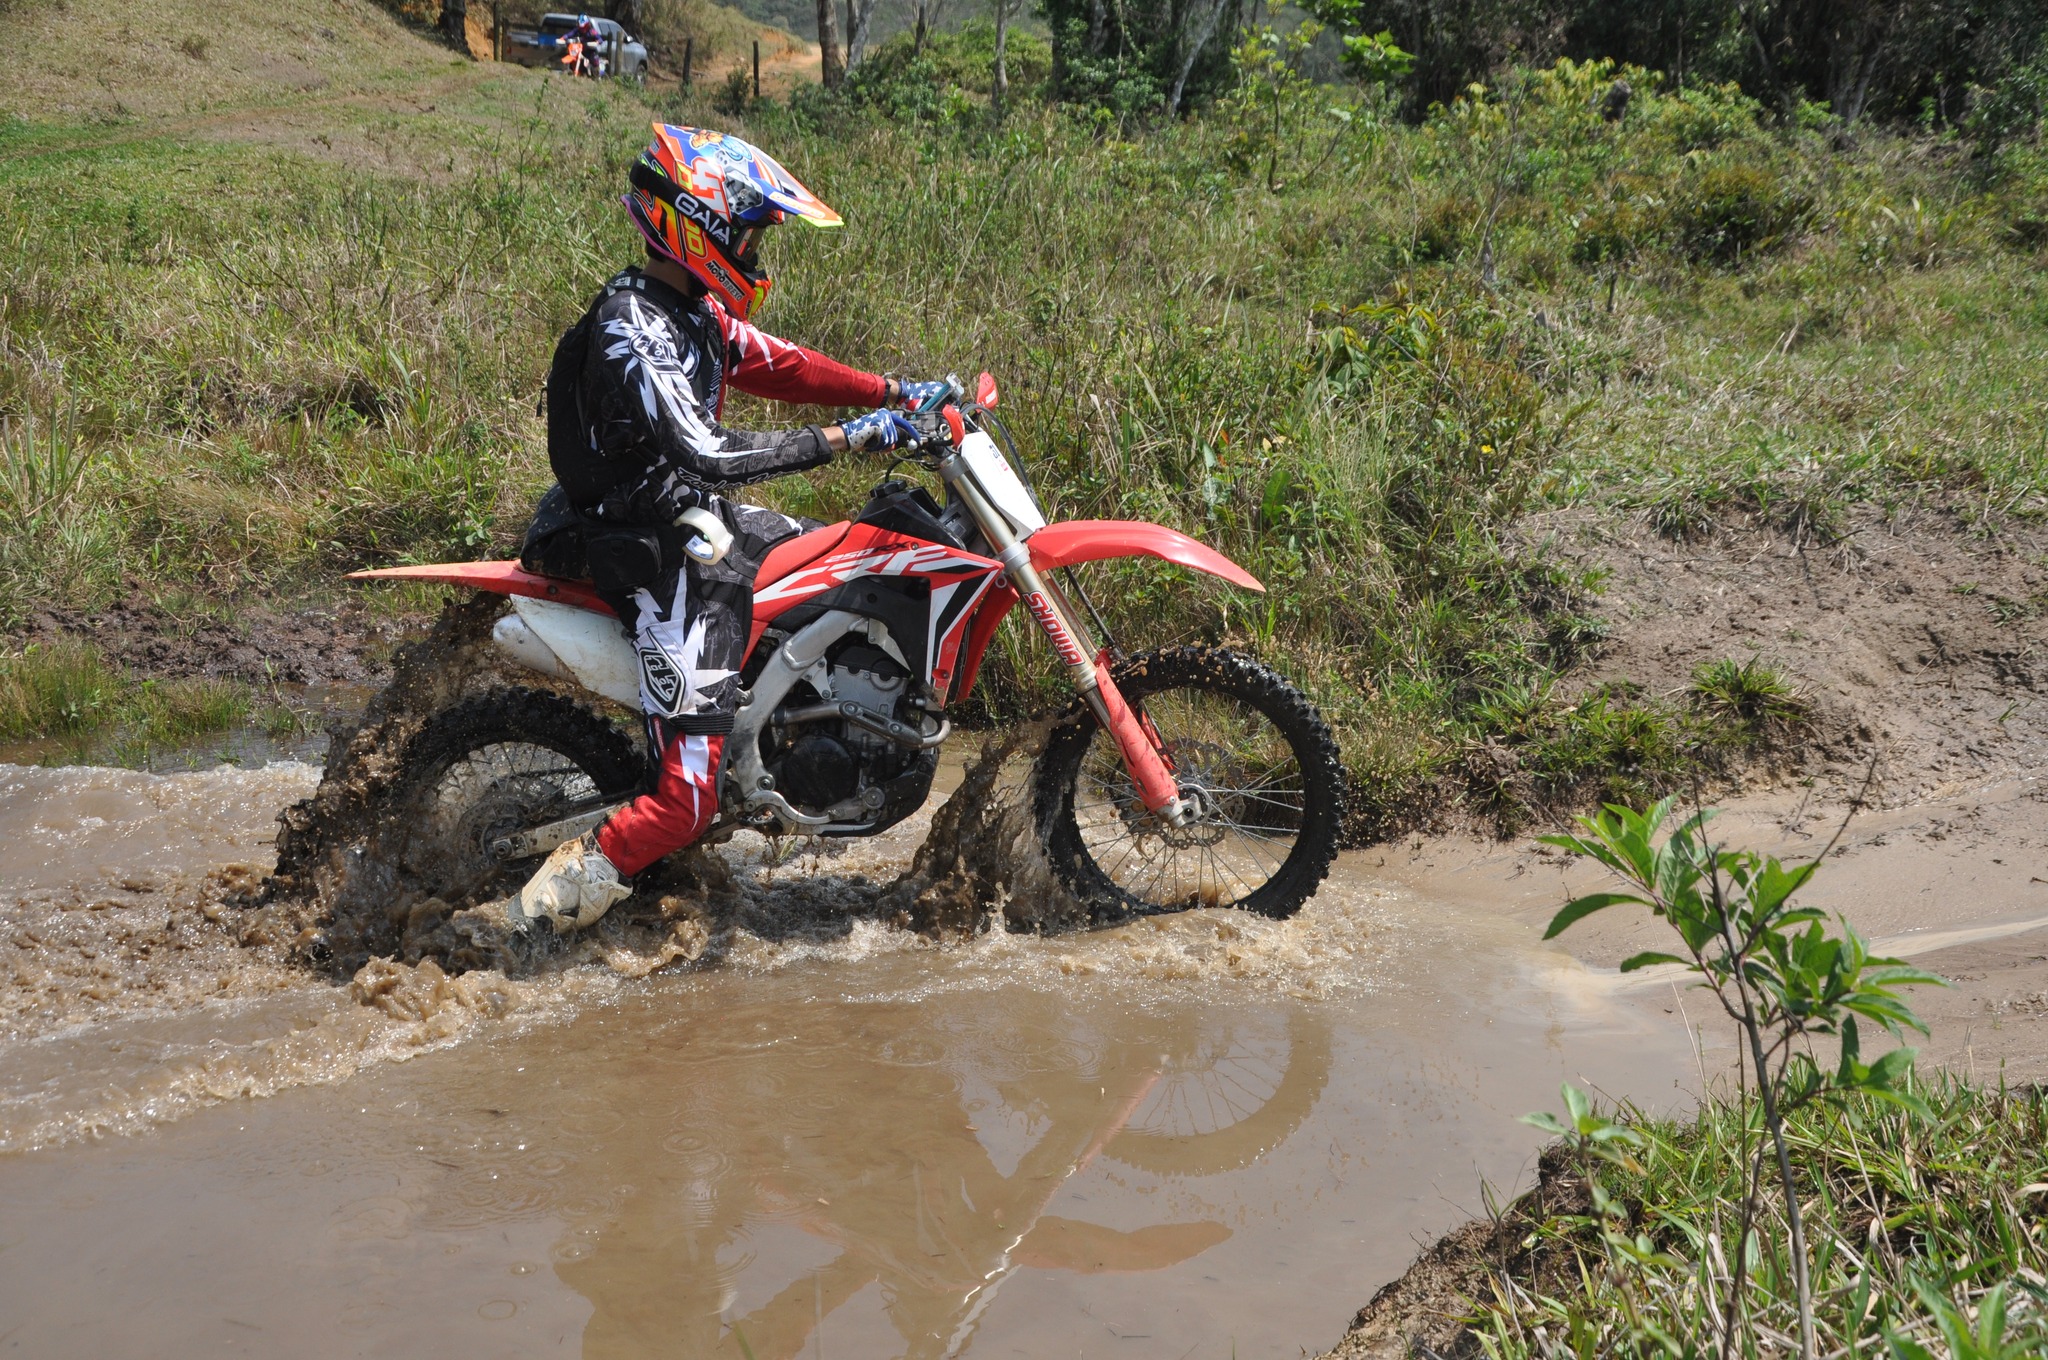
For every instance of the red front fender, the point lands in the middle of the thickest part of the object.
(1091, 540)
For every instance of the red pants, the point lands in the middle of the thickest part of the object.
(681, 808)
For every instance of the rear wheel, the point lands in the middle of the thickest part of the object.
(1252, 757)
(502, 762)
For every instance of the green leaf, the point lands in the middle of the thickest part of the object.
(1579, 908)
(1774, 883)
(1884, 1074)
(1647, 958)
(1546, 1121)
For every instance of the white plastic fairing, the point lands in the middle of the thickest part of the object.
(524, 646)
(589, 648)
(1000, 483)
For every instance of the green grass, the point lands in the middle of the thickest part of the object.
(67, 690)
(1918, 1228)
(275, 364)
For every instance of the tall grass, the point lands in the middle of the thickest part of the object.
(67, 690)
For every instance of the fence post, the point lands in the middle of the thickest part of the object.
(689, 50)
(757, 69)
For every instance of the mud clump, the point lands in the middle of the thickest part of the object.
(145, 942)
(337, 894)
(428, 996)
(982, 855)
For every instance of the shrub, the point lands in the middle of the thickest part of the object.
(1731, 209)
(949, 74)
(1631, 219)
(1750, 695)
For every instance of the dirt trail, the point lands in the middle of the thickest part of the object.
(1917, 636)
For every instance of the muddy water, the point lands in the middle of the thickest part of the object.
(1204, 1136)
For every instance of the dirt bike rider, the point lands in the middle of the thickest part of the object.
(589, 49)
(633, 437)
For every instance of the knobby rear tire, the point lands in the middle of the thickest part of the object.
(504, 718)
(1230, 676)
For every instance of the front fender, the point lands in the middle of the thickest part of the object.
(1091, 540)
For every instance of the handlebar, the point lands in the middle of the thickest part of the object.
(943, 425)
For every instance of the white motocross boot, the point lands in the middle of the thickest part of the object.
(572, 889)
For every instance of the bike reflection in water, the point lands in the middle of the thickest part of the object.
(919, 1149)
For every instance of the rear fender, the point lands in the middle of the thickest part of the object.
(496, 578)
(1093, 540)
(572, 644)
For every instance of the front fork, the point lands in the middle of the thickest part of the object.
(1087, 663)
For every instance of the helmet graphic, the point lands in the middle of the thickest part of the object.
(704, 199)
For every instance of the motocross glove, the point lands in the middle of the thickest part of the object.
(923, 397)
(878, 430)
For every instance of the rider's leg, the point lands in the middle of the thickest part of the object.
(679, 810)
(691, 633)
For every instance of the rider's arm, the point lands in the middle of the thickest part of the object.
(770, 367)
(634, 352)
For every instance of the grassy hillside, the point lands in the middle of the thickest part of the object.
(277, 344)
(153, 61)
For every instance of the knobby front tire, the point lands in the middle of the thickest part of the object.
(1250, 753)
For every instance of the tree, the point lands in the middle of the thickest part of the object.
(1197, 26)
(1777, 973)
(831, 58)
(1139, 56)
(999, 85)
(455, 23)
(627, 14)
(859, 14)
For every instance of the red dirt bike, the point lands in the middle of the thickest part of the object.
(1185, 777)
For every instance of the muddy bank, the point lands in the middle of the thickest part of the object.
(341, 642)
(1916, 638)
(1917, 635)
(1420, 1313)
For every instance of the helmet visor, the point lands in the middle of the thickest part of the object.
(747, 244)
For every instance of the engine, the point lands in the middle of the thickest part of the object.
(862, 767)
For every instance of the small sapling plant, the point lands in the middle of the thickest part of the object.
(1780, 975)
(1595, 1139)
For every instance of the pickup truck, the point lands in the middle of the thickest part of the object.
(624, 55)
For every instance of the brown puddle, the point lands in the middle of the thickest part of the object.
(1208, 1135)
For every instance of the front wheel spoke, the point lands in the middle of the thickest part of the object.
(1133, 848)
(1260, 798)
(1250, 844)
(1168, 878)
(1224, 865)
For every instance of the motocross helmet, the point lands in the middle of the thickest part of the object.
(704, 199)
